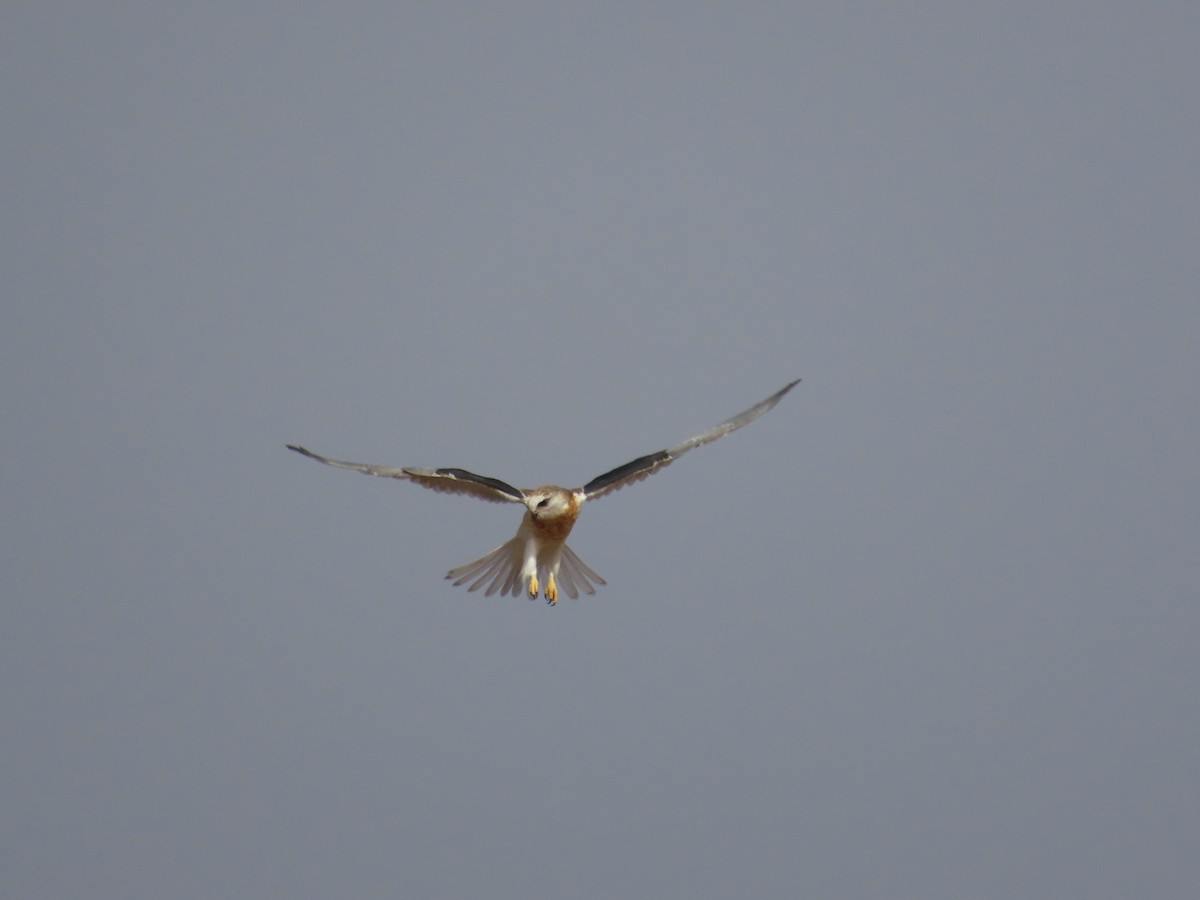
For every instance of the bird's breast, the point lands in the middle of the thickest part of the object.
(553, 529)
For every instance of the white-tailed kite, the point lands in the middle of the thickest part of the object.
(540, 545)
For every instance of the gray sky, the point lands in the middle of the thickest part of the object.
(928, 629)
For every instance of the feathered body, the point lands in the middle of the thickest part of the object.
(538, 553)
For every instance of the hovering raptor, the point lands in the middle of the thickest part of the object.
(539, 548)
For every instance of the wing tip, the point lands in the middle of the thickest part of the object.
(770, 402)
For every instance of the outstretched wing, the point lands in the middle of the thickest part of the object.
(644, 466)
(448, 481)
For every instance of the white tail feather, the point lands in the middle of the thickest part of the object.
(580, 571)
(500, 570)
(502, 566)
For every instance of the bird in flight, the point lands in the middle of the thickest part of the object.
(539, 549)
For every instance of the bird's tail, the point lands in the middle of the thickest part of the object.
(501, 567)
(500, 571)
(574, 574)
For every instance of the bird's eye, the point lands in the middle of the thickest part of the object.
(541, 503)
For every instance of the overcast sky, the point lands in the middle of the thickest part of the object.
(926, 630)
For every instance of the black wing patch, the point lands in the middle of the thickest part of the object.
(644, 466)
(630, 472)
(447, 481)
(483, 480)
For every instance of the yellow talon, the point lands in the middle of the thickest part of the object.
(552, 591)
(533, 586)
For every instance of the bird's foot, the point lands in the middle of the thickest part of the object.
(534, 587)
(551, 591)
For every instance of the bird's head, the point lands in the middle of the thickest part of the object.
(549, 502)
